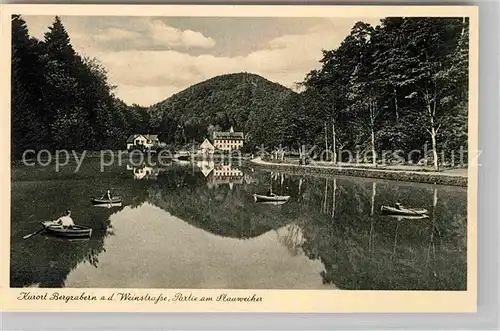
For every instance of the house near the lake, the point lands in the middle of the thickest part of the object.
(143, 141)
(206, 148)
(228, 141)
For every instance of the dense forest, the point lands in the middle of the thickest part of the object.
(62, 100)
(400, 85)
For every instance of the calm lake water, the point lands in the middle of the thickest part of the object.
(196, 225)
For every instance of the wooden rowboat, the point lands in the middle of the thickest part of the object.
(273, 198)
(403, 211)
(108, 205)
(75, 231)
(101, 201)
(409, 217)
(272, 203)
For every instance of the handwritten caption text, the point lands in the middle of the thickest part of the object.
(131, 297)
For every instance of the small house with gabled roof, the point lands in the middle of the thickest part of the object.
(206, 147)
(142, 141)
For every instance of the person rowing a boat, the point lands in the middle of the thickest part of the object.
(270, 194)
(399, 206)
(107, 195)
(66, 221)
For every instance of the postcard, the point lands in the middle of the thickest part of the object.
(189, 158)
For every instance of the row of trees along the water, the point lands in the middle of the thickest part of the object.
(401, 85)
(398, 86)
(61, 100)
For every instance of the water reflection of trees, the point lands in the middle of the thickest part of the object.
(292, 238)
(364, 250)
(46, 260)
(338, 222)
(217, 210)
(334, 220)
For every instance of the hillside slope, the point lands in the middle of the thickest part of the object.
(248, 102)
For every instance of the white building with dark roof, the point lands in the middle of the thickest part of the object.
(228, 141)
(206, 148)
(142, 141)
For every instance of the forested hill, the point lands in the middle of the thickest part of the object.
(248, 102)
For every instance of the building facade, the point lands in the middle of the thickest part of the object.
(228, 141)
(142, 141)
(206, 148)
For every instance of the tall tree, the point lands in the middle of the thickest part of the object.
(365, 87)
(388, 59)
(68, 126)
(432, 42)
(27, 79)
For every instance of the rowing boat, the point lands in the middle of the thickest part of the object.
(409, 217)
(272, 198)
(272, 203)
(101, 201)
(108, 205)
(403, 211)
(74, 231)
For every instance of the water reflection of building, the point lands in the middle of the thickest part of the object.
(228, 172)
(206, 167)
(144, 172)
(221, 174)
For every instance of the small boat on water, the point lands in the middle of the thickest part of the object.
(75, 231)
(409, 217)
(272, 203)
(271, 198)
(101, 201)
(108, 205)
(403, 211)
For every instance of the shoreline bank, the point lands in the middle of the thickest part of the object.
(396, 175)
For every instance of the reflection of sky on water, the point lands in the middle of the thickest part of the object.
(154, 249)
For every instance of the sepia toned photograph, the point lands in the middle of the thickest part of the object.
(240, 153)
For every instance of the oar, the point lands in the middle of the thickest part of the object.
(34, 233)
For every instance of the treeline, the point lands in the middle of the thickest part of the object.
(401, 86)
(62, 100)
(398, 86)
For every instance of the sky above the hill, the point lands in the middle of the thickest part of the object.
(151, 58)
